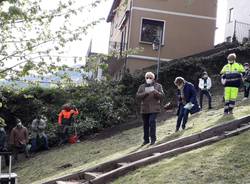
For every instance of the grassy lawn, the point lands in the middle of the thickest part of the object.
(83, 155)
(224, 162)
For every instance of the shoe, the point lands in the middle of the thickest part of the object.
(152, 143)
(183, 127)
(144, 143)
(177, 129)
(210, 108)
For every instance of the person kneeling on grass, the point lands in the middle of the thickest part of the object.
(187, 101)
(150, 95)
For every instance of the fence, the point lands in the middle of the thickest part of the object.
(241, 31)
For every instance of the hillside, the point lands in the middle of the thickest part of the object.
(67, 159)
(223, 162)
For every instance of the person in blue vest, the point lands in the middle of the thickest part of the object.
(231, 77)
(205, 85)
(187, 101)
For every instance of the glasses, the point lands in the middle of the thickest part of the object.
(149, 78)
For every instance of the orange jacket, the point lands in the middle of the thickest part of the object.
(67, 115)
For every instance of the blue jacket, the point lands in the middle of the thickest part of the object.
(189, 96)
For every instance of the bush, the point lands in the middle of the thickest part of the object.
(101, 105)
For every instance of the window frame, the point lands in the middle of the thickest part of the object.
(163, 31)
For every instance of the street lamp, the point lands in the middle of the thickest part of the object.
(157, 47)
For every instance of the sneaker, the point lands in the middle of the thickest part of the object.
(245, 98)
(152, 143)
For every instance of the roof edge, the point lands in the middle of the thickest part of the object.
(111, 14)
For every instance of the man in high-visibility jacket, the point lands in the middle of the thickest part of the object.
(65, 120)
(231, 79)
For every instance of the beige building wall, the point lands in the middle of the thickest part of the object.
(183, 35)
(196, 7)
(134, 64)
(189, 28)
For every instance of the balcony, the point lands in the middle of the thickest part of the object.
(117, 48)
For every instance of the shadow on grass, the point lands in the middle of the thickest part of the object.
(225, 118)
(170, 137)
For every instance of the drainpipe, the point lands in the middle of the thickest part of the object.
(128, 35)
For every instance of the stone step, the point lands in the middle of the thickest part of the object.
(91, 175)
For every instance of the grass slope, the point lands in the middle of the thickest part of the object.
(223, 162)
(48, 165)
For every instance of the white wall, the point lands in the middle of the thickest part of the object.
(241, 13)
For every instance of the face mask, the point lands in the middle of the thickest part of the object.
(230, 61)
(149, 81)
(19, 125)
(205, 76)
(246, 68)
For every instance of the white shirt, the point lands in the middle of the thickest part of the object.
(204, 86)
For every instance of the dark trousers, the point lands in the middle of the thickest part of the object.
(182, 117)
(64, 137)
(22, 148)
(39, 143)
(208, 95)
(246, 91)
(149, 126)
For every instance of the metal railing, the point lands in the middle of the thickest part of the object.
(241, 32)
(118, 47)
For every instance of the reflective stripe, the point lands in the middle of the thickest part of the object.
(231, 105)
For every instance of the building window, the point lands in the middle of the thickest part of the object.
(231, 15)
(151, 29)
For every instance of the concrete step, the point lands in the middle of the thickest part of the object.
(91, 175)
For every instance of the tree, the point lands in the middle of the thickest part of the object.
(33, 35)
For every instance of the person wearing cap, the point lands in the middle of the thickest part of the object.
(39, 140)
(65, 120)
(3, 140)
(246, 81)
(19, 138)
(187, 101)
(231, 77)
(150, 95)
(205, 85)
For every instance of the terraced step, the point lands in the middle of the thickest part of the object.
(108, 171)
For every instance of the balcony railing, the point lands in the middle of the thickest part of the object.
(118, 47)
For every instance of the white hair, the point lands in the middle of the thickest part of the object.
(231, 56)
(151, 74)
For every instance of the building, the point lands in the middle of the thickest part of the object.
(94, 63)
(184, 27)
(238, 20)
